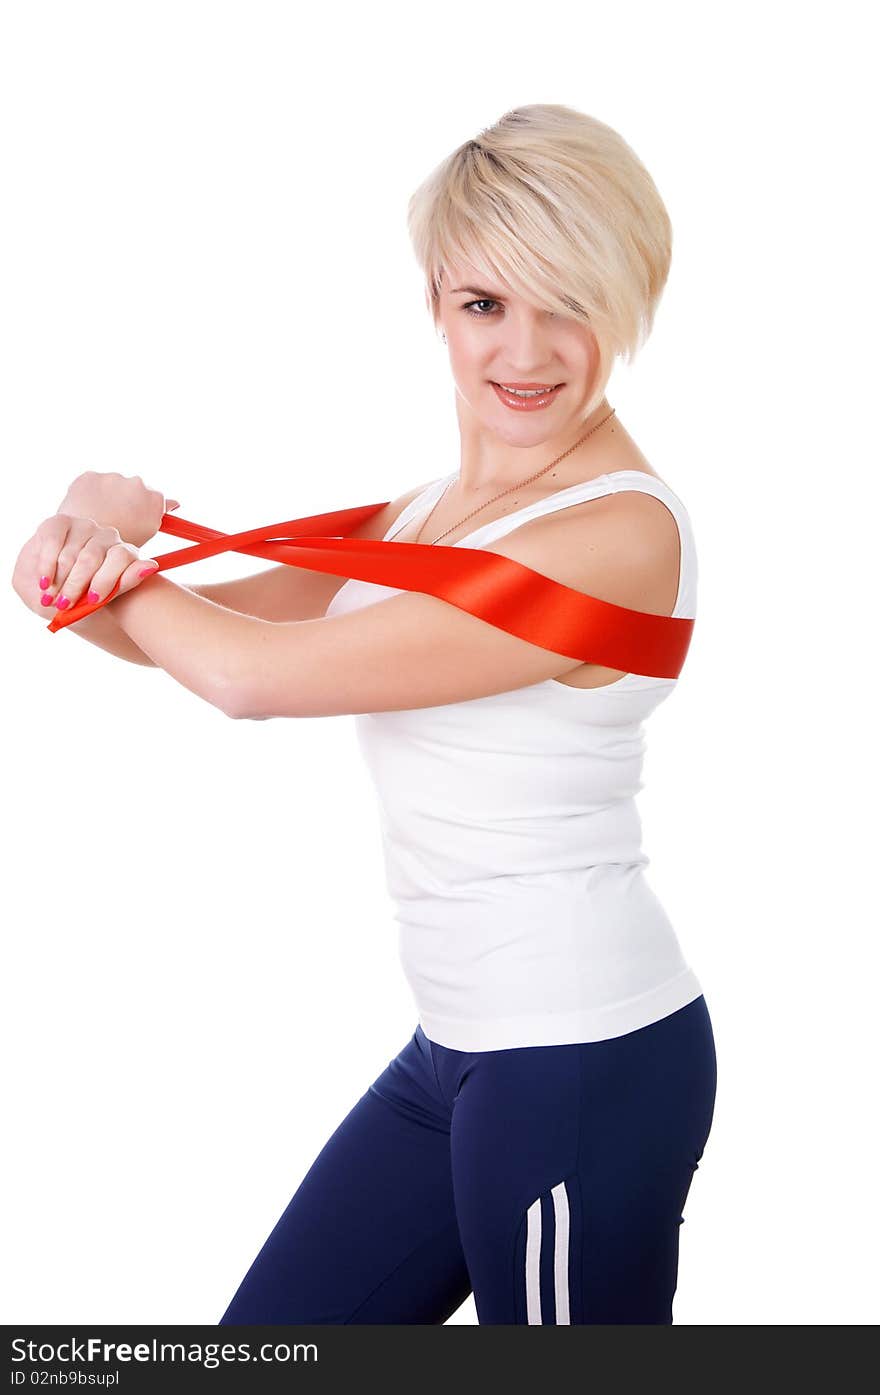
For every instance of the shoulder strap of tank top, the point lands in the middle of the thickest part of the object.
(488, 585)
(424, 499)
(561, 499)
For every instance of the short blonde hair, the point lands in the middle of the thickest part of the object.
(558, 206)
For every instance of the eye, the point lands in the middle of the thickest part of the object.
(479, 314)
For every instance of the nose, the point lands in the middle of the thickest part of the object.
(525, 350)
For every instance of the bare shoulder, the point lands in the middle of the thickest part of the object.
(622, 547)
(378, 525)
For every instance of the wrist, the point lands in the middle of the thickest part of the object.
(136, 537)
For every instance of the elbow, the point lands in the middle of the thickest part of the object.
(244, 707)
(256, 696)
(241, 715)
(240, 705)
(237, 712)
(231, 701)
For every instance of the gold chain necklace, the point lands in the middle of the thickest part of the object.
(536, 476)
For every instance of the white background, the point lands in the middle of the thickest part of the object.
(207, 281)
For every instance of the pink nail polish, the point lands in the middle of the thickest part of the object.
(62, 602)
(45, 600)
(147, 571)
(44, 582)
(93, 597)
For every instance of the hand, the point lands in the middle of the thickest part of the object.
(75, 556)
(118, 501)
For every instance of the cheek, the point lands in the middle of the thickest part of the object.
(483, 349)
(470, 371)
(469, 355)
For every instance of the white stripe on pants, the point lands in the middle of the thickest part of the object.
(561, 1247)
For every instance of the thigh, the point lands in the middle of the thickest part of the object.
(571, 1166)
(371, 1235)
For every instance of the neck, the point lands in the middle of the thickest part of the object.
(490, 464)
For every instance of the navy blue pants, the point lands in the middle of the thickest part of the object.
(547, 1180)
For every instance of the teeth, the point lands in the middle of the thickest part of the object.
(526, 392)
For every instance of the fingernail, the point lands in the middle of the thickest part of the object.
(44, 582)
(147, 571)
(93, 596)
(45, 600)
(61, 602)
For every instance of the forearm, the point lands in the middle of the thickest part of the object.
(103, 631)
(202, 645)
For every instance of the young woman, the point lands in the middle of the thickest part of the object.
(535, 1139)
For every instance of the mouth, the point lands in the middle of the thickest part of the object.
(527, 399)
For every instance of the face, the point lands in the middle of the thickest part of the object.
(495, 338)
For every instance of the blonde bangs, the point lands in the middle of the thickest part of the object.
(557, 206)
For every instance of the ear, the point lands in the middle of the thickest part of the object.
(431, 305)
(434, 311)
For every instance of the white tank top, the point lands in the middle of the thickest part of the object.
(512, 840)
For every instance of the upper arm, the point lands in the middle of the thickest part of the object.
(415, 650)
(285, 593)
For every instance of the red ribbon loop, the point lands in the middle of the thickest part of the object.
(497, 589)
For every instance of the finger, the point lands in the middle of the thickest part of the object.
(60, 539)
(116, 562)
(139, 570)
(171, 505)
(91, 561)
(50, 538)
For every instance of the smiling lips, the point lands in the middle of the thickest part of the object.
(534, 401)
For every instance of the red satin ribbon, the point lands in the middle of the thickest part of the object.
(497, 589)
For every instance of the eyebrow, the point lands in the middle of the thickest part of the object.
(474, 290)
